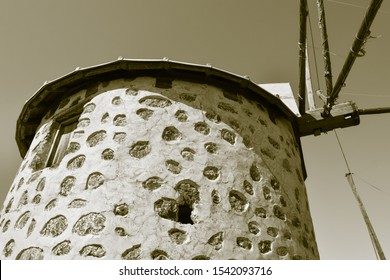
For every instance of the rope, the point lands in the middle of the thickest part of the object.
(342, 151)
(356, 6)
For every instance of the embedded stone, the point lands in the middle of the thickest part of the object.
(255, 172)
(76, 162)
(159, 255)
(173, 166)
(96, 138)
(283, 201)
(181, 115)
(296, 222)
(6, 225)
(274, 143)
(171, 133)
(55, 226)
(131, 92)
(152, 183)
(266, 193)
(254, 227)
(36, 199)
(211, 147)
(41, 185)
(188, 154)
(23, 200)
(21, 182)
(166, 208)
(271, 231)
(211, 172)
(144, 113)
(31, 227)
(95, 180)
(23, 219)
(77, 203)
(286, 165)
(121, 209)
(93, 250)
(133, 253)
(216, 240)
(202, 128)
(67, 185)
(278, 212)
(91, 223)
(213, 117)
(105, 118)
(281, 251)
(34, 176)
(72, 148)
(52, 203)
(215, 197)
(9, 205)
(83, 123)
(265, 246)
(200, 257)
(248, 187)
(228, 136)
(61, 248)
(89, 108)
(261, 212)
(189, 192)
(108, 154)
(31, 253)
(187, 97)
(244, 242)
(140, 149)
(296, 191)
(155, 101)
(177, 235)
(226, 107)
(238, 201)
(120, 120)
(275, 184)
(119, 137)
(8, 248)
(120, 231)
(117, 100)
(267, 152)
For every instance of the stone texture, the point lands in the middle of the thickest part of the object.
(184, 172)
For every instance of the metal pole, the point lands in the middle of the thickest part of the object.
(374, 239)
(325, 47)
(356, 51)
(374, 111)
(302, 55)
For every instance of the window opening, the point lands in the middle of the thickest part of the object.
(62, 140)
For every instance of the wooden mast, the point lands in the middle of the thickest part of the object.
(356, 51)
(302, 56)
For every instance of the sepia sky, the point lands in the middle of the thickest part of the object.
(43, 39)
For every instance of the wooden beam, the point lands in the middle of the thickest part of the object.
(310, 96)
(356, 51)
(302, 56)
(374, 111)
(325, 47)
(343, 115)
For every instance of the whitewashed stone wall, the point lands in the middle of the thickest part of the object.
(151, 173)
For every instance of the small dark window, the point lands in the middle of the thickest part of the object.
(61, 142)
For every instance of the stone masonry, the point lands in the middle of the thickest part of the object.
(183, 170)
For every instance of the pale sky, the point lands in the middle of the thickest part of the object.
(44, 39)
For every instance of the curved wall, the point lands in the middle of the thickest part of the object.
(183, 172)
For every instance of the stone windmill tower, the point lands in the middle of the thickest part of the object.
(155, 159)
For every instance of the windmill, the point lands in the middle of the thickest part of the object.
(320, 120)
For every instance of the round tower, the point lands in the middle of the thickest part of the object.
(155, 159)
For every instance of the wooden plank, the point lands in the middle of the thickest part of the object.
(343, 115)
